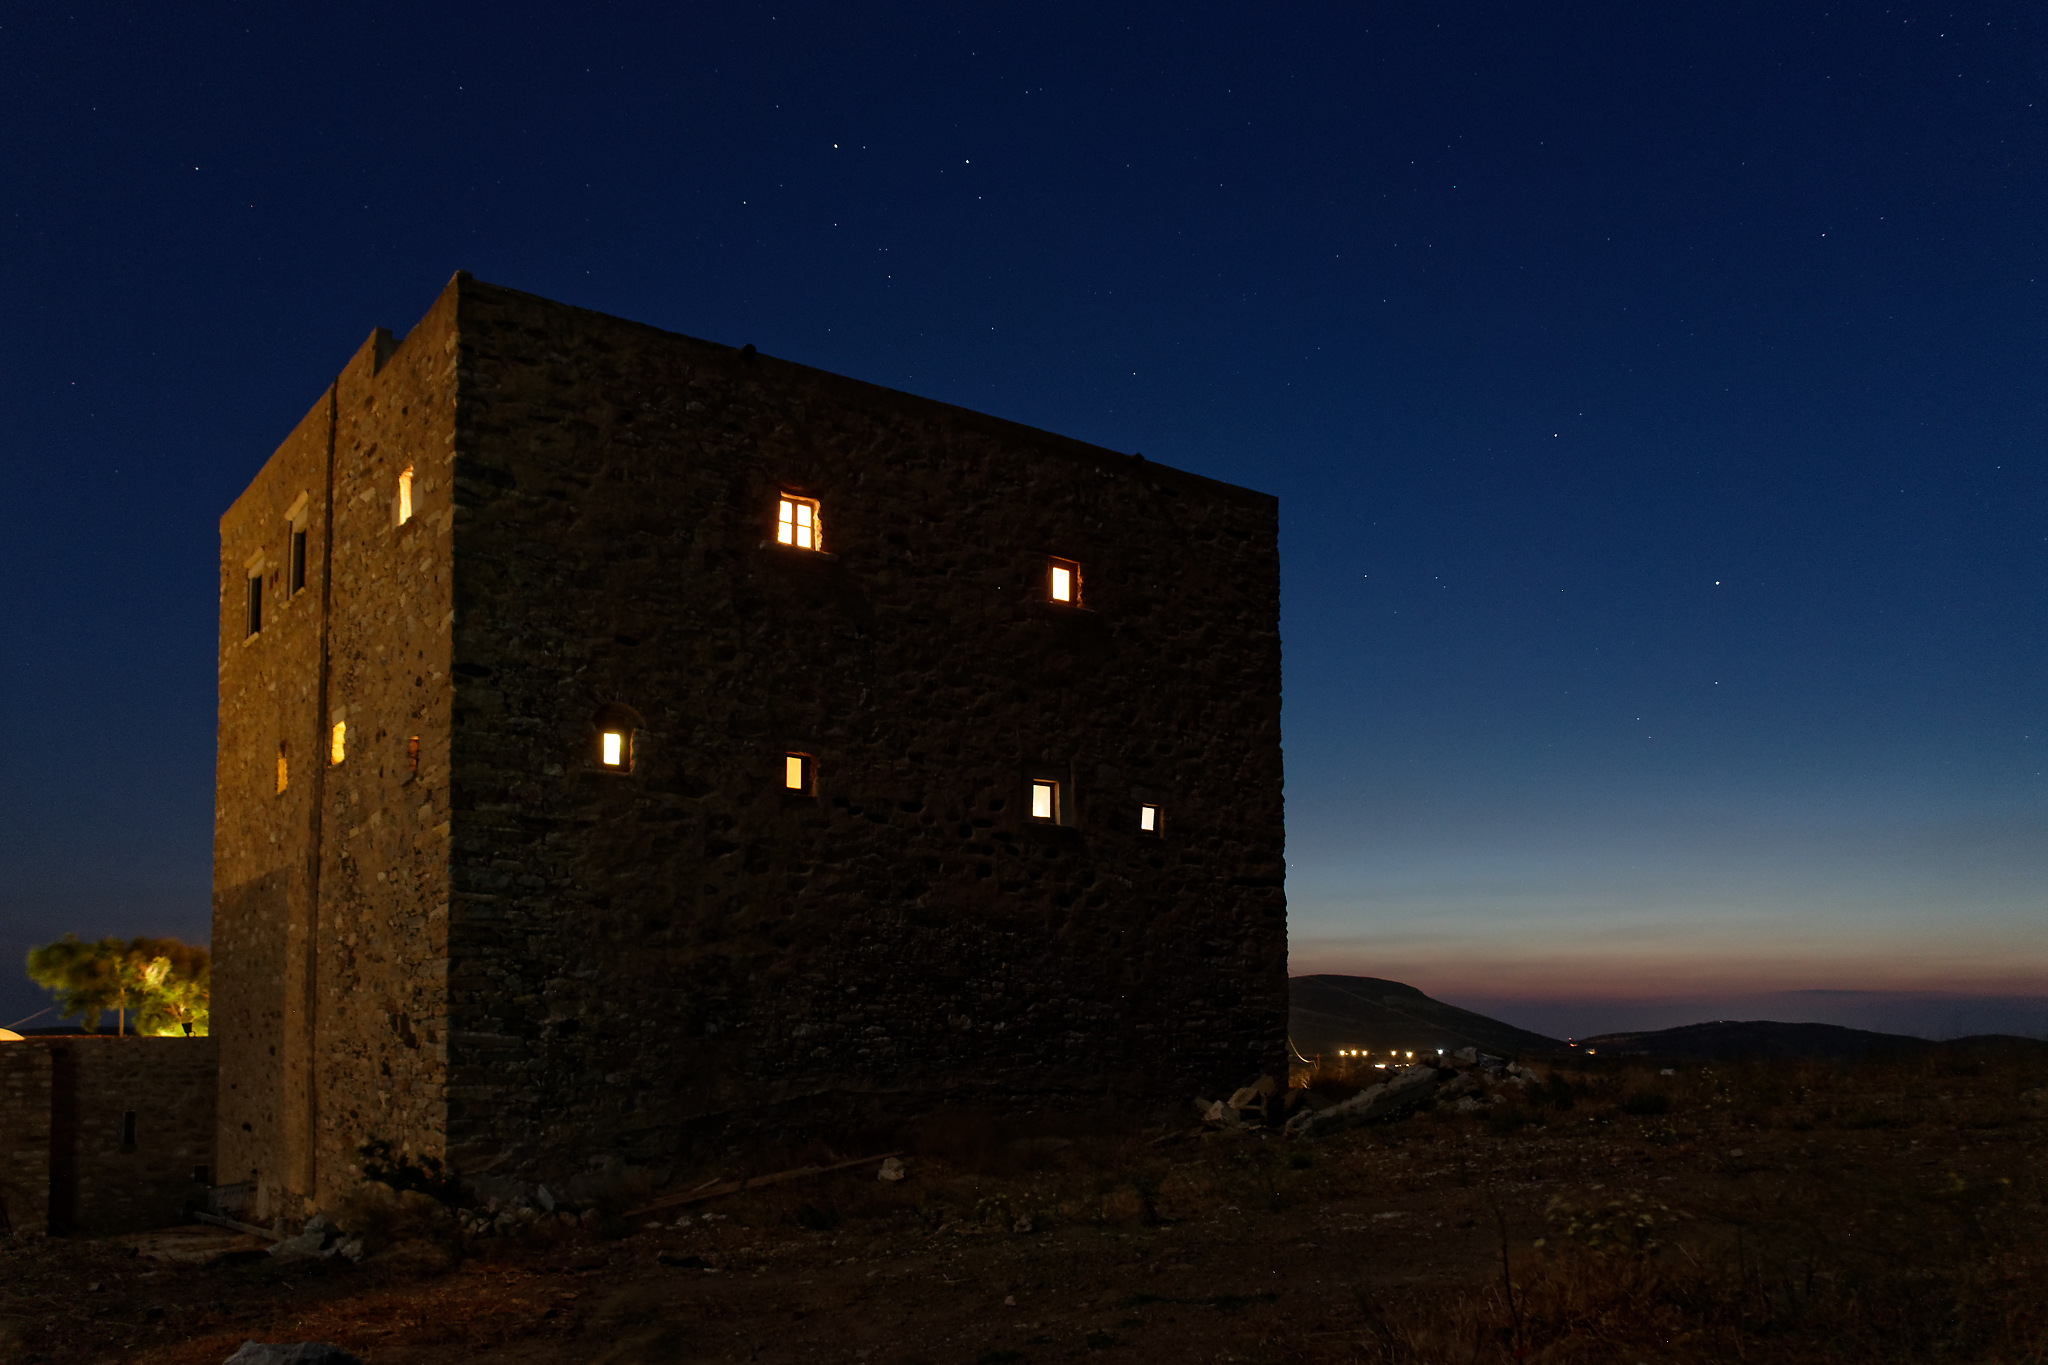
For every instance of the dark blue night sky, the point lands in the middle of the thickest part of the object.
(1656, 396)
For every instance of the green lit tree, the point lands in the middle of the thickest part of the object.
(163, 982)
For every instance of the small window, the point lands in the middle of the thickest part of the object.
(799, 773)
(1063, 581)
(284, 775)
(614, 727)
(798, 523)
(401, 506)
(337, 742)
(295, 580)
(1045, 800)
(1148, 820)
(255, 603)
(412, 754)
(128, 1131)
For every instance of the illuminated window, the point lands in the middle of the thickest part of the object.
(1063, 581)
(1148, 819)
(614, 727)
(255, 602)
(1045, 800)
(401, 507)
(798, 771)
(412, 754)
(798, 523)
(283, 771)
(337, 742)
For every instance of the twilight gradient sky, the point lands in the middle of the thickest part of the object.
(1656, 396)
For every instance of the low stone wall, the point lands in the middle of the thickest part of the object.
(103, 1135)
(24, 1137)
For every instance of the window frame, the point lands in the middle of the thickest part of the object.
(1050, 785)
(789, 529)
(1054, 566)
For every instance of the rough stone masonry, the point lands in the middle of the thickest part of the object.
(882, 814)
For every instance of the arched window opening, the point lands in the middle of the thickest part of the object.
(401, 506)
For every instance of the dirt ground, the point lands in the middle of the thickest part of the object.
(1760, 1212)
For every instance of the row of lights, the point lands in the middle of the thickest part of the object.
(800, 774)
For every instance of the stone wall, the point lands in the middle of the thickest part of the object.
(632, 954)
(330, 897)
(148, 1170)
(501, 954)
(102, 1135)
(24, 1137)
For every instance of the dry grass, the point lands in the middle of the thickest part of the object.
(1877, 1212)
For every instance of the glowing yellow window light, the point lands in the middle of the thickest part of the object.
(283, 772)
(798, 523)
(1148, 819)
(613, 748)
(405, 495)
(1045, 800)
(796, 772)
(1063, 581)
(337, 742)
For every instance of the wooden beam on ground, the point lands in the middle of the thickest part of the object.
(720, 1189)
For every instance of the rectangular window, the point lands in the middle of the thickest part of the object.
(612, 749)
(284, 775)
(1063, 581)
(337, 742)
(1045, 800)
(797, 772)
(401, 507)
(255, 603)
(798, 523)
(1148, 819)
(295, 582)
(412, 754)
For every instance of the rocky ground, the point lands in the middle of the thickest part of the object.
(1771, 1212)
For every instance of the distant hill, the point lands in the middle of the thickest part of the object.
(1327, 1013)
(1727, 1039)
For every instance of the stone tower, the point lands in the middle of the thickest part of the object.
(624, 736)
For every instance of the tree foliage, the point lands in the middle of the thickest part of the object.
(165, 984)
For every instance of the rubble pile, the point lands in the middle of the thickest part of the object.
(1468, 1080)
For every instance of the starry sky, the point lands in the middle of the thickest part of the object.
(1656, 397)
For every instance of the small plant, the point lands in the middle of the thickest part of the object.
(386, 1164)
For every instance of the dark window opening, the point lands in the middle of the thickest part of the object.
(128, 1131)
(202, 1175)
(295, 583)
(255, 621)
